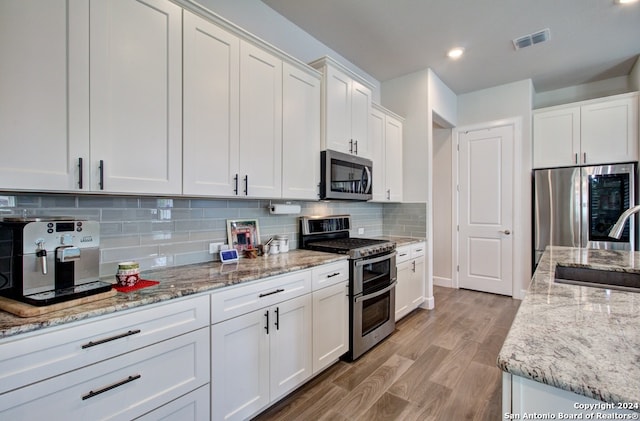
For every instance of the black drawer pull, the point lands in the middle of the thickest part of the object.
(403, 254)
(333, 274)
(113, 338)
(80, 173)
(129, 379)
(271, 293)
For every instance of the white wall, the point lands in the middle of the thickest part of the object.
(513, 100)
(601, 88)
(262, 21)
(634, 76)
(443, 211)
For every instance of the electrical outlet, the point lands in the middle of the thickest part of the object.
(360, 231)
(214, 247)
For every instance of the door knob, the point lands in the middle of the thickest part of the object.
(506, 232)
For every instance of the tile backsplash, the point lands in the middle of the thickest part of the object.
(161, 232)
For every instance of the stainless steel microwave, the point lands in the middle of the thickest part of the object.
(344, 176)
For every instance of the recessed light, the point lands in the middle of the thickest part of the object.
(625, 1)
(455, 52)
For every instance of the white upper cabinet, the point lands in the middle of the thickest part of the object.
(346, 105)
(386, 143)
(44, 93)
(300, 133)
(598, 131)
(91, 96)
(211, 110)
(136, 96)
(260, 122)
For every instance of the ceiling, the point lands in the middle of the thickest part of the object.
(590, 40)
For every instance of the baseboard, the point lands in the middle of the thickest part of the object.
(443, 282)
(429, 303)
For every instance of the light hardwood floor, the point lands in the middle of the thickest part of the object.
(437, 365)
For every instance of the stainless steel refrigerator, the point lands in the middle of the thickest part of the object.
(577, 206)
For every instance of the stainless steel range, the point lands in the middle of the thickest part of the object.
(372, 274)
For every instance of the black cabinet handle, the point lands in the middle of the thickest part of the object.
(277, 318)
(80, 173)
(246, 185)
(266, 327)
(129, 379)
(101, 168)
(236, 181)
(333, 274)
(350, 145)
(356, 152)
(112, 338)
(271, 293)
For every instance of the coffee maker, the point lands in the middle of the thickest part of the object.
(47, 260)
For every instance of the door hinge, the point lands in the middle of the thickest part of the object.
(458, 228)
(458, 187)
(458, 268)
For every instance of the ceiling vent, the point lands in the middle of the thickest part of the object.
(531, 39)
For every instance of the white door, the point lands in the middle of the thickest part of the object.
(211, 110)
(291, 346)
(260, 123)
(136, 96)
(300, 134)
(486, 209)
(44, 94)
(240, 366)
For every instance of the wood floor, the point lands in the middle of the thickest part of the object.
(437, 365)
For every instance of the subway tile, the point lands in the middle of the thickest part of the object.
(185, 247)
(136, 227)
(163, 237)
(107, 202)
(220, 213)
(129, 253)
(110, 242)
(200, 225)
(214, 236)
(191, 258)
(208, 203)
(129, 214)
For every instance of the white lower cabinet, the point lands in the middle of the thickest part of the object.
(119, 366)
(411, 277)
(259, 356)
(330, 314)
(192, 406)
(527, 399)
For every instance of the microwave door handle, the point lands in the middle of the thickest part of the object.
(367, 189)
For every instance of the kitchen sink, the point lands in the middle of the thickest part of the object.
(626, 281)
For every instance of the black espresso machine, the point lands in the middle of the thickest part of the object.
(47, 260)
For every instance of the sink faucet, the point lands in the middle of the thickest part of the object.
(616, 231)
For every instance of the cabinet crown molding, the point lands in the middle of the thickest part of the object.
(326, 60)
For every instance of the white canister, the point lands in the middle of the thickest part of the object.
(283, 242)
(274, 247)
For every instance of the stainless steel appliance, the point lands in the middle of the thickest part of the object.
(372, 276)
(578, 206)
(49, 260)
(344, 176)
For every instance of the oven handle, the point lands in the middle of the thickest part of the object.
(377, 293)
(366, 261)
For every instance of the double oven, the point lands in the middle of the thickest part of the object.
(372, 275)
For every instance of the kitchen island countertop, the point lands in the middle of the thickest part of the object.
(584, 340)
(175, 282)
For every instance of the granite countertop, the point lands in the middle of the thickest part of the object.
(174, 283)
(582, 339)
(401, 241)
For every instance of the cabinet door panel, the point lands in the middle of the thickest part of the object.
(610, 131)
(403, 289)
(260, 122)
(556, 138)
(330, 325)
(291, 345)
(393, 159)
(376, 136)
(337, 110)
(44, 93)
(360, 110)
(211, 94)
(300, 134)
(136, 91)
(240, 366)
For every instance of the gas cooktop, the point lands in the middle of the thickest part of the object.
(331, 234)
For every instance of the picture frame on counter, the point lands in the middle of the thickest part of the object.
(243, 234)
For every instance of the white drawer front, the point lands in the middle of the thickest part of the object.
(120, 388)
(418, 250)
(194, 406)
(47, 353)
(403, 254)
(234, 301)
(329, 274)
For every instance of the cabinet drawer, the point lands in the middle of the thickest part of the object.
(123, 387)
(193, 406)
(234, 301)
(329, 274)
(403, 254)
(417, 250)
(49, 352)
